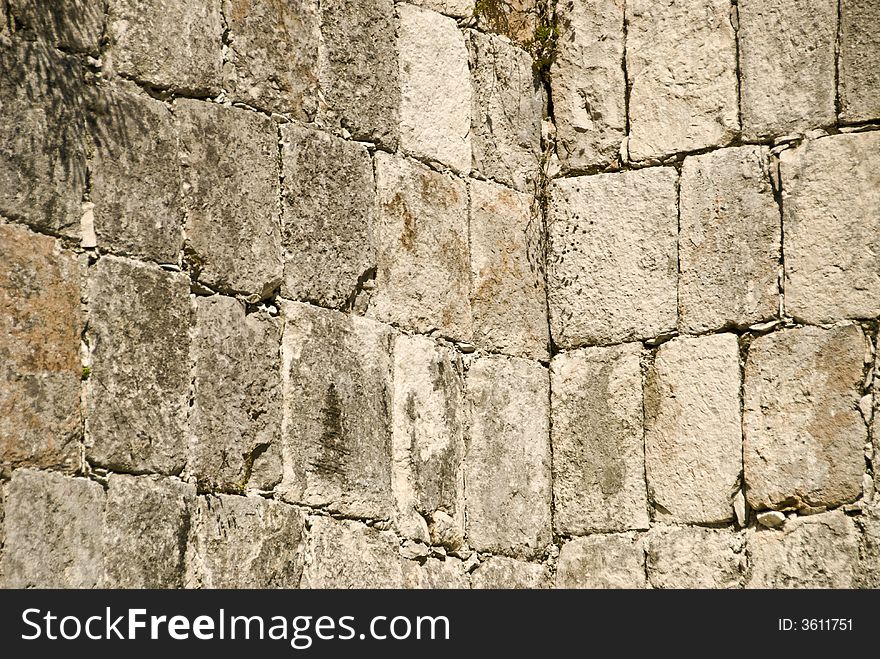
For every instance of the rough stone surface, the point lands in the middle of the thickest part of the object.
(135, 177)
(803, 433)
(244, 542)
(328, 216)
(230, 169)
(435, 107)
(235, 417)
(729, 268)
(435, 574)
(589, 88)
(868, 575)
(145, 531)
(786, 57)
(516, 19)
(503, 572)
(859, 63)
(139, 382)
(71, 24)
(612, 265)
(359, 69)
(694, 557)
(507, 464)
(831, 206)
(423, 273)
(602, 561)
(508, 299)
(598, 440)
(819, 551)
(40, 370)
(693, 433)
(507, 108)
(336, 435)
(457, 8)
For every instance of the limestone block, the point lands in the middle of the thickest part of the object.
(786, 56)
(729, 268)
(693, 431)
(612, 265)
(71, 25)
(230, 170)
(423, 271)
(831, 207)
(503, 572)
(457, 8)
(138, 389)
(516, 19)
(40, 369)
(803, 434)
(598, 440)
(602, 561)
(507, 464)
(328, 216)
(695, 557)
(859, 63)
(508, 299)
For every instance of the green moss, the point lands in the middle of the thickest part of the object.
(86, 372)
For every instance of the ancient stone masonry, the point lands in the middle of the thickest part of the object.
(439, 293)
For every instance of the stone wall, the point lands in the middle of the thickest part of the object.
(505, 293)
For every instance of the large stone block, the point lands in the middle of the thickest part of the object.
(589, 88)
(693, 430)
(508, 299)
(695, 557)
(831, 215)
(602, 561)
(598, 440)
(359, 69)
(145, 531)
(423, 271)
(819, 551)
(138, 389)
(786, 57)
(435, 107)
(171, 44)
(336, 434)
(40, 369)
(230, 171)
(613, 265)
(507, 109)
(729, 268)
(507, 464)
(328, 216)
(859, 63)
(235, 417)
(502, 572)
(804, 437)
(271, 54)
(53, 531)
(69, 24)
(244, 542)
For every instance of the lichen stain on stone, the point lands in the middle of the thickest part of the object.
(333, 451)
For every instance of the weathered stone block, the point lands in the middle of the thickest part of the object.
(831, 214)
(613, 265)
(435, 107)
(695, 557)
(503, 572)
(803, 434)
(787, 65)
(328, 216)
(69, 24)
(423, 272)
(244, 542)
(230, 170)
(598, 440)
(271, 61)
(508, 299)
(859, 84)
(53, 531)
(437, 575)
(589, 88)
(729, 269)
(359, 69)
(135, 176)
(145, 531)
(516, 19)
(138, 389)
(868, 523)
(507, 464)
(173, 44)
(457, 8)
(235, 417)
(681, 64)
(819, 551)
(507, 109)
(602, 561)
(693, 431)
(40, 369)
(336, 434)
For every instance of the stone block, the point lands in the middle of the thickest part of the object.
(435, 574)
(602, 561)
(502, 572)
(868, 523)
(70, 25)
(695, 557)
(859, 60)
